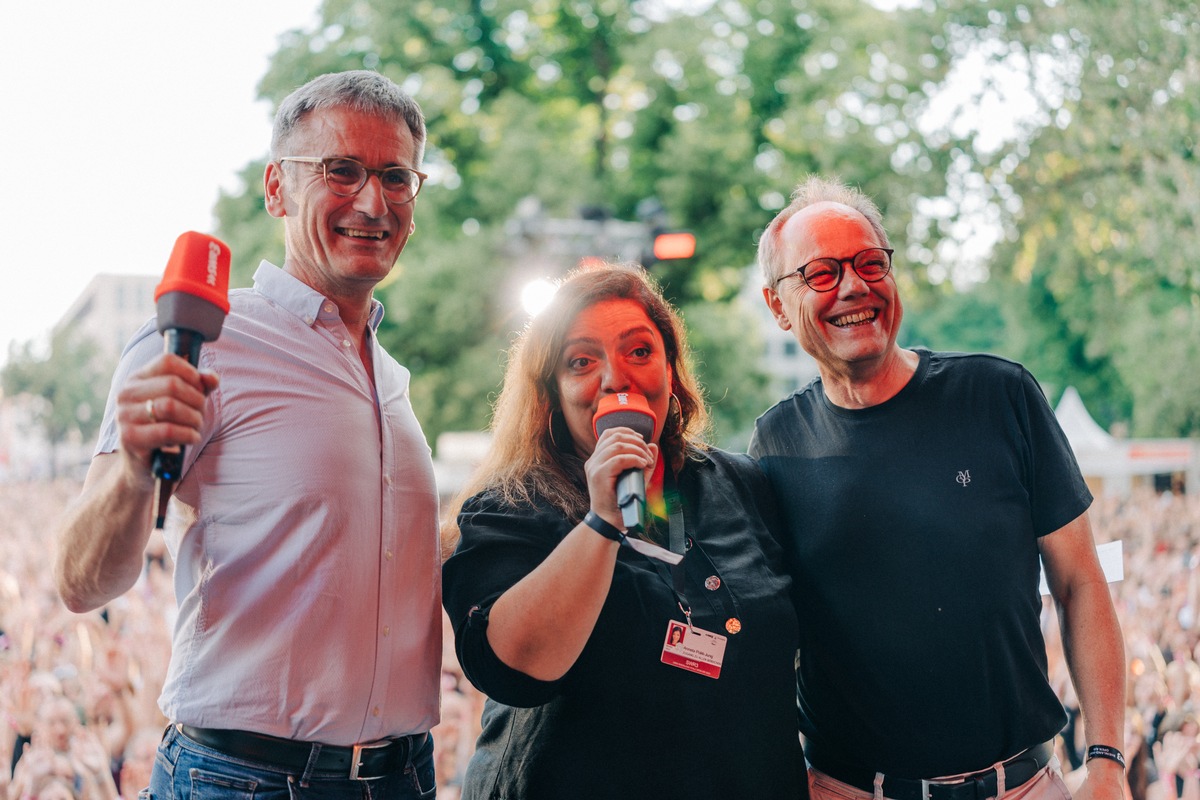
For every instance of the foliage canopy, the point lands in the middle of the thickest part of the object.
(1035, 161)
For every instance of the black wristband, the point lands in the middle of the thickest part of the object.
(1104, 751)
(601, 526)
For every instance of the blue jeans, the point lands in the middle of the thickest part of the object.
(184, 769)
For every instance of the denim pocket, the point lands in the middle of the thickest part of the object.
(423, 781)
(215, 786)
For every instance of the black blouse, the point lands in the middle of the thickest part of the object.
(621, 723)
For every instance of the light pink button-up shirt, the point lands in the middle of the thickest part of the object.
(304, 531)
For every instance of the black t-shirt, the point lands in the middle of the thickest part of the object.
(913, 547)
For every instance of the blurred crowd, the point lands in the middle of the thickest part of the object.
(78, 692)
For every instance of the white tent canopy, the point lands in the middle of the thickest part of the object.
(1084, 433)
(1113, 462)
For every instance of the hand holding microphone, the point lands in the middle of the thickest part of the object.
(628, 410)
(192, 301)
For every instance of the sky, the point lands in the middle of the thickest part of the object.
(123, 120)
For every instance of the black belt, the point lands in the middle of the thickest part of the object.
(976, 786)
(358, 762)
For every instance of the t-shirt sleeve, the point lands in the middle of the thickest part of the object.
(1058, 491)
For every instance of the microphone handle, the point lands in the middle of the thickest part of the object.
(166, 465)
(631, 498)
(183, 343)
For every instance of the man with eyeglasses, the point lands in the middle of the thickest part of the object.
(307, 649)
(919, 489)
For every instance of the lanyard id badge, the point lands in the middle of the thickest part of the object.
(690, 648)
(686, 646)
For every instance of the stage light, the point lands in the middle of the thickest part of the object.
(668, 246)
(537, 295)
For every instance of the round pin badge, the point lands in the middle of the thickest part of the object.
(712, 583)
(733, 624)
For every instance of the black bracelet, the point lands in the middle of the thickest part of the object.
(601, 526)
(1104, 751)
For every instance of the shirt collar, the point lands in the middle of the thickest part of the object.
(297, 297)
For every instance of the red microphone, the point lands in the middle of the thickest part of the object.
(627, 410)
(192, 301)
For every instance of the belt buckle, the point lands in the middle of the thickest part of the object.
(926, 785)
(356, 756)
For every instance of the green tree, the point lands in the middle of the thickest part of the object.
(710, 113)
(724, 337)
(69, 382)
(1096, 190)
(244, 225)
(970, 320)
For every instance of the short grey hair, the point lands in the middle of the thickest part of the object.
(814, 189)
(358, 90)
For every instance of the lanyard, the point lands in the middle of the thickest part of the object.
(678, 543)
(677, 535)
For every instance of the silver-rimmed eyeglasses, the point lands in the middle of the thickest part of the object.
(345, 177)
(824, 274)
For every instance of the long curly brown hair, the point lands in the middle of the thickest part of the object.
(532, 454)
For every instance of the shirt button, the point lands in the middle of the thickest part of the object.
(309, 320)
(375, 711)
(389, 555)
(387, 629)
(345, 342)
(329, 308)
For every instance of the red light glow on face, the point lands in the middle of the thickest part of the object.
(611, 347)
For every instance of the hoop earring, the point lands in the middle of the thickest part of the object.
(550, 430)
(675, 409)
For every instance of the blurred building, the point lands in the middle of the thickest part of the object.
(458, 453)
(789, 366)
(106, 314)
(109, 310)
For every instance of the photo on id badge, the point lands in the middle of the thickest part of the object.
(693, 649)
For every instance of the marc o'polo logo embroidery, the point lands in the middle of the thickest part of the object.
(963, 478)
